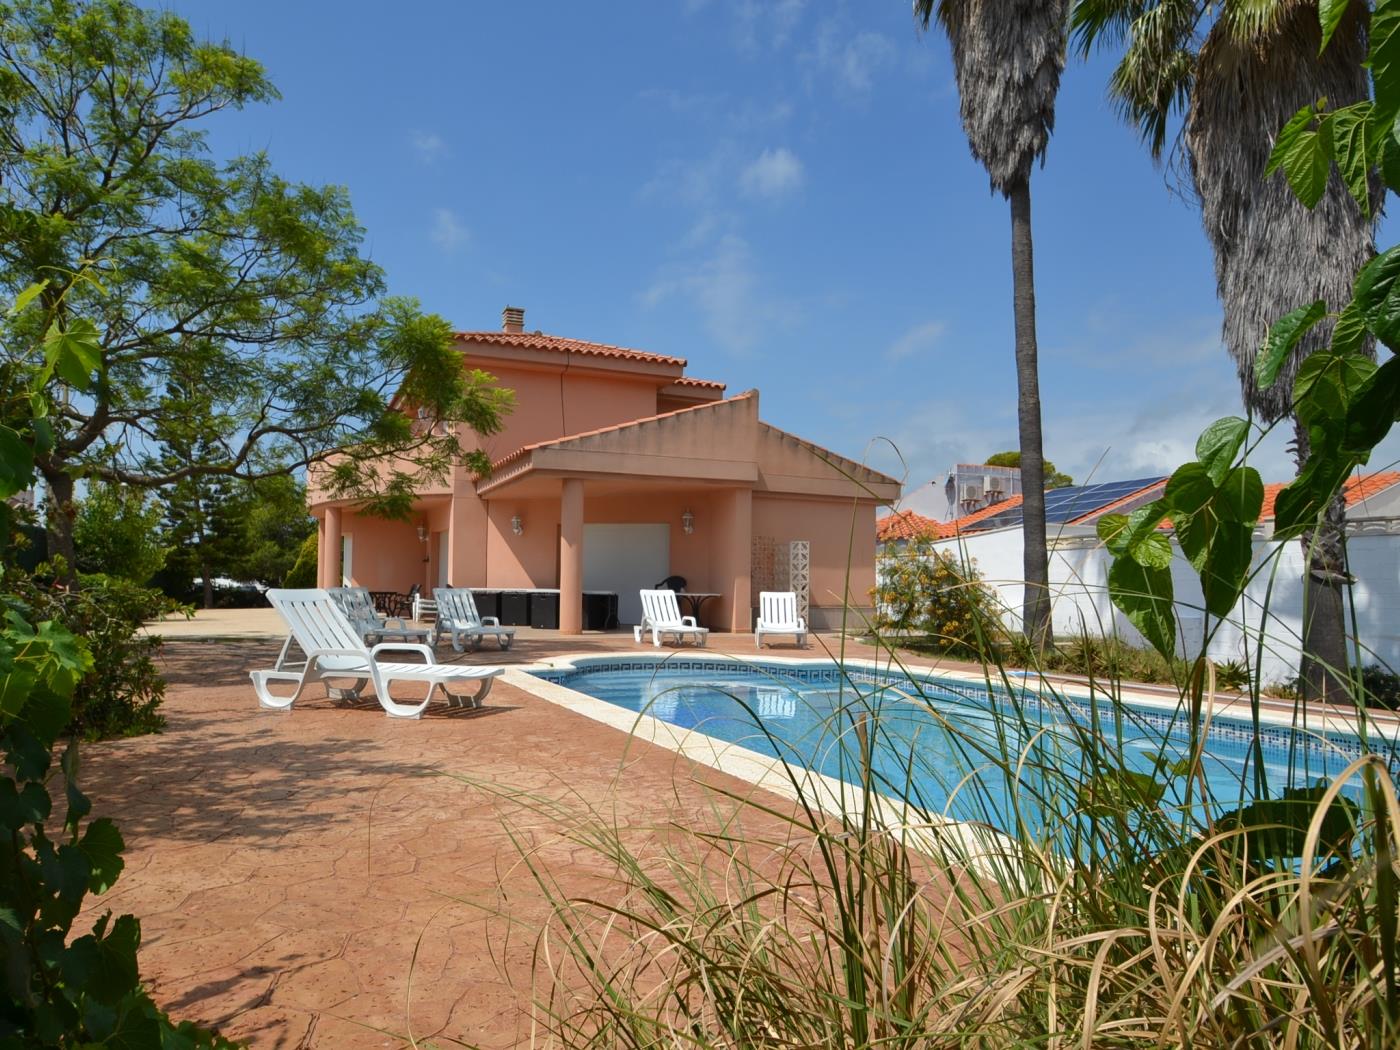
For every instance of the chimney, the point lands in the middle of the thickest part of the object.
(513, 319)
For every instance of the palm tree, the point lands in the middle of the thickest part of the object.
(1236, 71)
(1007, 58)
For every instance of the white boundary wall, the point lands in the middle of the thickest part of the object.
(1079, 584)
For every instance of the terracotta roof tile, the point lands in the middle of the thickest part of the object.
(559, 344)
(904, 525)
(1358, 487)
(709, 384)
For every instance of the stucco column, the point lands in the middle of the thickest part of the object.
(571, 557)
(328, 564)
(738, 557)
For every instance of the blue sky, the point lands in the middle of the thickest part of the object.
(778, 191)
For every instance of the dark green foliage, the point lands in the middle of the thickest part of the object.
(122, 692)
(1233, 674)
(303, 570)
(1380, 687)
(1054, 478)
(242, 330)
(116, 533)
(85, 992)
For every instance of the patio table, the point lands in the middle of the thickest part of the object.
(695, 602)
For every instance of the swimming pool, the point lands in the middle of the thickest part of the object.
(939, 742)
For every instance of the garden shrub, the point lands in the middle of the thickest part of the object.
(1380, 687)
(303, 570)
(928, 595)
(121, 693)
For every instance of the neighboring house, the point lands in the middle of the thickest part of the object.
(968, 488)
(1071, 506)
(614, 471)
(1272, 602)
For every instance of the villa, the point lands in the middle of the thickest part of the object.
(615, 471)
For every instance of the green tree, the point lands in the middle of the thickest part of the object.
(1007, 59)
(116, 532)
(275, 525)
(229, 306)
(1235, 72)
(1054, 479)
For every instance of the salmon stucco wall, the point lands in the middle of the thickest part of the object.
(828, 527)
(552, 404)
(384, 555)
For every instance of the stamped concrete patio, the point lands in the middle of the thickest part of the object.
(318, 878)
(308, 879)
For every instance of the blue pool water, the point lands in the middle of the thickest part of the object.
(933, 739)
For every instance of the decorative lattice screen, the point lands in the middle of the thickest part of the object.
(782, 565)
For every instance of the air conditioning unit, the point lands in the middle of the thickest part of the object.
(994, 488)
(972, 493)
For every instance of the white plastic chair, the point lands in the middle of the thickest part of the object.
(457, 615)
(334, 650)
(777, 614)
(661, 615)
(359, 609)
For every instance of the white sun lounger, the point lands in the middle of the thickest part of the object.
(335, 651)
(777, 614)
(359, 609)
(457, 615)
(661, 615)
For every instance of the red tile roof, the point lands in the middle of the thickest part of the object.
(906, 525)
(540, 341)
(707, 383)
(1358, 487)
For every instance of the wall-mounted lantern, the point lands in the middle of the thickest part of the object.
(687, 522)
(517, 525)
(422, 533)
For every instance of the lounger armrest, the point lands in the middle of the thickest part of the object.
(395, 623)
(490, 621)
(403, 647)
(316, 654)
(689, 621)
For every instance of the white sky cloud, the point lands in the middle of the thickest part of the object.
(775, 173)
(448, 232)
(428, 146)
(918, 339)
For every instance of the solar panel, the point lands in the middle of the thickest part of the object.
(1065, 505)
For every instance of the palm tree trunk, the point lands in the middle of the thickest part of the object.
(1324, 668)
(1035, 610)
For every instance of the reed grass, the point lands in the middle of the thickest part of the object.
(1096, 905)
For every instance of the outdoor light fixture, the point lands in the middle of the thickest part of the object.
(517, 526)
(422, 533)
(687, 522)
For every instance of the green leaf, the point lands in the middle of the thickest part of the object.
(1384, 60)
(1241, 497)
(1227, 566)
(1220, 443)
(1281, 340)
(1305, 154)
(1301, 502)
(26, 297)
(1355, 152)
(1189, 489)
(1390, 156)
(102, 844)
(1278, 827)
(1349, 331)
(16, 463)
(1378, 297)
(1373, 411)
(1113, 530)
(74, 353)
(1145, 597)
(1327, 383)
(1329, 14)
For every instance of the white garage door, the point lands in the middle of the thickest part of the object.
(626, 559)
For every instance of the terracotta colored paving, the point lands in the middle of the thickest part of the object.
(304, 879)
